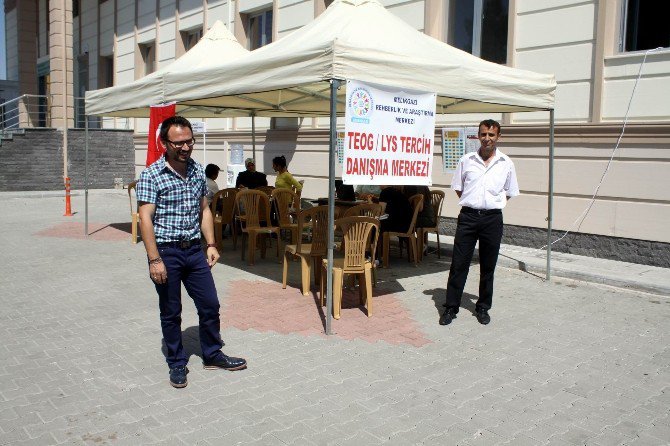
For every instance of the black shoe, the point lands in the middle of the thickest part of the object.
(448, 315)
(226, 363)
(483, 316)
(178, 376)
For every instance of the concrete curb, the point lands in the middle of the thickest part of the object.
(60, 193)
(631, 276)
(586, 276)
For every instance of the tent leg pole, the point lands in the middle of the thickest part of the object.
(253, 135)
(86, 175)
(550, 201)
(334, 85)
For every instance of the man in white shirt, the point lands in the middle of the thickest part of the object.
(484, 181)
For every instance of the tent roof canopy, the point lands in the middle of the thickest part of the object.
(352, 39)
(133, 99)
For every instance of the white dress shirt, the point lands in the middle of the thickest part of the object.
(213, 188)
(485, 187)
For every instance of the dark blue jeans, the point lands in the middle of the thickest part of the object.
(190, 267)
(471, 227)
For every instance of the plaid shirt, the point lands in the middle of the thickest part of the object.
(177, 200)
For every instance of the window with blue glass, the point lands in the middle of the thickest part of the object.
(479, 27)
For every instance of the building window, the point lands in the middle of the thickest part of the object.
(645, 25)
(75, 8)
(190, 38)
(106, 71)
(260, 29)
(81, 87)
(148, 55)
(479, 27)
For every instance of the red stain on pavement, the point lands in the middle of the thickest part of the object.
(96, 231)
(265, 306)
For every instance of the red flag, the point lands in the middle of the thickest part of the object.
(159, 113)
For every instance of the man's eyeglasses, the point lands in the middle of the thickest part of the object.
(179, 144)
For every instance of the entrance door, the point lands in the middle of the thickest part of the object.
(42, 101)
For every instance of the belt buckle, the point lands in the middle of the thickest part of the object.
(480, 211)
(184, 244)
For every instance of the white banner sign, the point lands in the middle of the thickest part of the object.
(389, 136)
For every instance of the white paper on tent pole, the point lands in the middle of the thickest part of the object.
(453, 146)
(472, 143)
(389, 135)
(340, 148)
(199, 126)
(456, 142)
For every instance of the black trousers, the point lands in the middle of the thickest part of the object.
(188, 266)
(487, 227)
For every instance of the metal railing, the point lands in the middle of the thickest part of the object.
(94, 122)
(34, 111)
(26, 111)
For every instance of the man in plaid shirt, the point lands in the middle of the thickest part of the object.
(173, 211)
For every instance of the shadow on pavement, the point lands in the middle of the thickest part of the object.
(191, 340)
(125, 227)
(270, 267)
(439, 296)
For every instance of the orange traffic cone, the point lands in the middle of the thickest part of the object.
(68, 204)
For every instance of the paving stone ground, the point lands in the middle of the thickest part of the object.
(562, 363)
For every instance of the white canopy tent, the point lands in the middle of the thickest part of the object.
(352, 39)
(300, 75)
(133, 100)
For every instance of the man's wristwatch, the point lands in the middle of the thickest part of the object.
(211, 245)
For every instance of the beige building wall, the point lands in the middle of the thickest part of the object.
(631, 203)
(652, 95)
(577, 40)
(558, 37)
(61, 63)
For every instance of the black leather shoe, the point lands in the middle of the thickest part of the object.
(448, 315)
(178, 376)
(483, 316)
(226, 363)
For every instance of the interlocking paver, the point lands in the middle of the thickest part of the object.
(608, 437)
(81, 362)
(660, 431)
(543, 432)
(45, 438)
(359, 438)
(645, 440)
(577, 435)
(13, 436)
